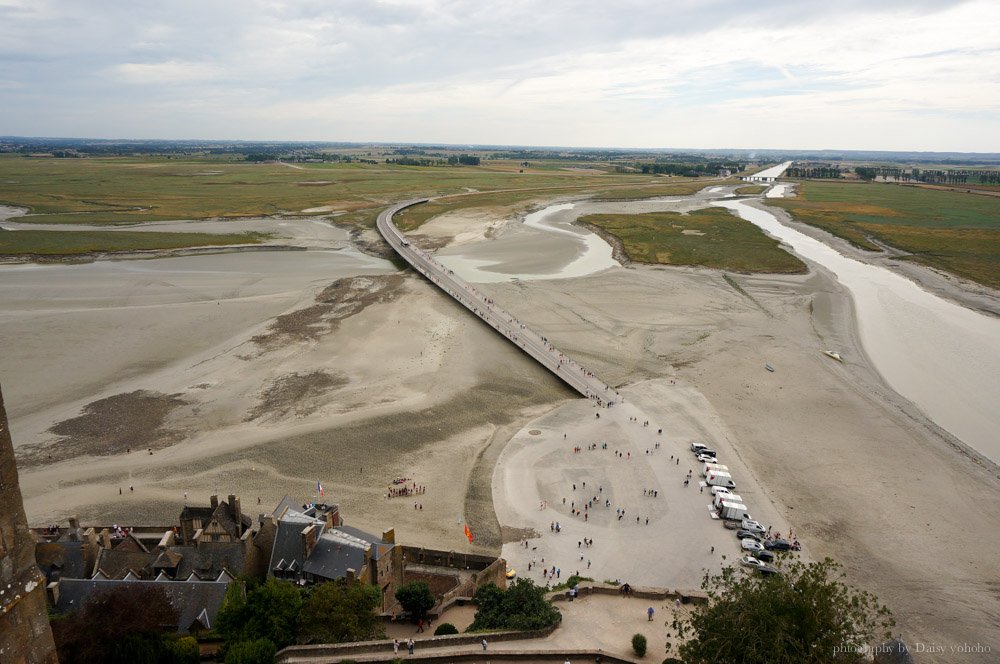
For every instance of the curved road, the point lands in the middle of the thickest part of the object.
(532, 343)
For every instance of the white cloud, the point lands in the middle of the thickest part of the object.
(706, 73)
(169, 72)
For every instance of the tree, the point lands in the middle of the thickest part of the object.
(639, 645)
(267, 611)
(339, 611)
(804, 615)
(521, 606)
(123, 624)
(416, 598)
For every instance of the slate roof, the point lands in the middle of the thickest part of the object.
(288, 539)
(379, 545)
(334, 554)
(116, 562)
(191, 599)
(208, 560)
(203, 513)
(62, 559)
(286, 503)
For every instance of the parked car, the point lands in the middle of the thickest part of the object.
(716, 490)
(749, 524)
(767, 570)
(696, 447)
(707, 458)
(777, 545)
(750, 561)
(511, 573)
(743, 533)
(705, 452)
(765, 556)
(752, 545)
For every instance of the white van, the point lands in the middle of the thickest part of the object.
(725, 498)
(709, 467)
(719, 478)
(734, 512)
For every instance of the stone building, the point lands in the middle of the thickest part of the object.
(312, 545)
(25, 637)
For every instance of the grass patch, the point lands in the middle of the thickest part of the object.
(58, 243)
(573, 580)
(751, 190)
(129, 190)
(952, 231)
(711, 237)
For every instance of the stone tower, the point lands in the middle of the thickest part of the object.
(25, 637)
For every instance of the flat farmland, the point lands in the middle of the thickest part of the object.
(135, 190)
(952, 231)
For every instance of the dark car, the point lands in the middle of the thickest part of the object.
(742, 534)
(778, 545)
(764, 556)
(767, 570)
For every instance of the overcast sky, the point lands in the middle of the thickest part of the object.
(850, 74)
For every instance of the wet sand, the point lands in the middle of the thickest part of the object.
(434, 395)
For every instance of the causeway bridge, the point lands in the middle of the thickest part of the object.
(528, 340)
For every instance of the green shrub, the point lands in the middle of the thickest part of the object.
(259, 651)
(638, 645)
(445, 628)
(521, 606)
(184, 651)
(573, 580)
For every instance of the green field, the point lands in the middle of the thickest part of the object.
(714, 238)
(955, 232)
(70, 243)
(751, 189)
(134, 190)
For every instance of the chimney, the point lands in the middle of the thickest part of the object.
(165, 541)
(215, 502)
(308, 540)
(352, 574)
(52, 593)
(236, 512)
(105, 538)
(389, 535)
(74, 522)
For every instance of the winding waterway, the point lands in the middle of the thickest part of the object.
(943, 357)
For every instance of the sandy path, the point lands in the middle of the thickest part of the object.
(676, 546)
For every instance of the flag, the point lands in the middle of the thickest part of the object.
(468, 533)
(319, 487)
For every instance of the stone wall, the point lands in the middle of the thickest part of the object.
(25, 637)
(344, 650)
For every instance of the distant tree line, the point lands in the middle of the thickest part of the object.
(816, 172)
(415, 161)
(690, 169)
(929, 176)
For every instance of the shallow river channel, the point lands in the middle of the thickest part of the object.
(943, 357)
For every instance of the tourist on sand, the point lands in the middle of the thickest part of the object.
(484, 644)
(409, 645)
(649, 614)
(395, 646)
